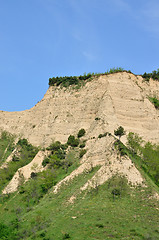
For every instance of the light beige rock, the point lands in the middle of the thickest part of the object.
(117, 99)
(101, 152)
(23, 174)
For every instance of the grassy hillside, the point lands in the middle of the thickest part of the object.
(115, 210)
(6, 146)
(99, 214)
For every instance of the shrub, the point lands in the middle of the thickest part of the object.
(6, 232)
(54, 146)
(68, 80)
(121, 148)
(82, 145)
(72, 141)
(81, 133)
(119, 132)
(45, 162)
(82, 152)
(154, 75)
(155, 102)
(102, 135)
(66, 236)
(115, 70)
(116, 192)
(134, 142)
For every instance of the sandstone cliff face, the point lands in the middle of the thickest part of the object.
(102, 105)
(115, 99)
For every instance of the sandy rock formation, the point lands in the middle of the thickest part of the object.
(24, 173)
(101, 152)
(103, 104)
(115, 99)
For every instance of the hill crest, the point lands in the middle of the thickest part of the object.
(115, 99)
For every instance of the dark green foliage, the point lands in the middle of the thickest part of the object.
(54, 161)
(33, 175)
(155, 102)
(154, 75)
(85, 76)
(82, 145)
(116, 192)
(25, 145)
(81, 133)
(66, 236)
(116, 70)
(82, 152)
(97, 118)
(26, 154)
(134, 142)
(99, 225)
(148, 155)
(45, 162)
(6, 232)
(57, 153)
(15, 158)
(67, 81)
(72, 141)
(102, 135)
(54, 146)
(74, 80)
(121, 148)
(57, 158)
(119, 132)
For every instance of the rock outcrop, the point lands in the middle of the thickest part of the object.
(24, 173)
(115, 99)
(103, 104)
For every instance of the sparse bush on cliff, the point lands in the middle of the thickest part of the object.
(102, 135)
(74, 80)
(82, 145)
(72, 141)
(119, 132)
(82, 152)
(81, 133)
(67, 81)
(54, 146)
(155, 102)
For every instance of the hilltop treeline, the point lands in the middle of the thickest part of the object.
(154, 75)
(80, 80)
(67, 81)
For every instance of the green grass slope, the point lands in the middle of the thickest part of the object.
(131, 213)
(115, 210)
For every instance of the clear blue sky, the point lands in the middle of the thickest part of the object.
(45, 38)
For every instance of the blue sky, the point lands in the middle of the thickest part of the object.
(45, 38)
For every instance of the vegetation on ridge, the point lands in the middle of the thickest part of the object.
(80, 80)
(154, 75)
